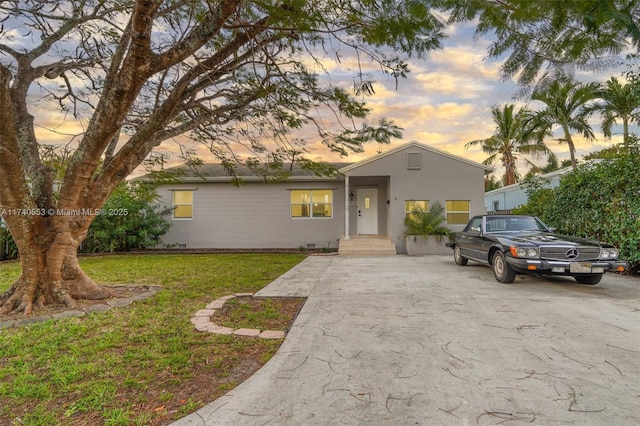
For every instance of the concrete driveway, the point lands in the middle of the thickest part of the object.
(420, 341)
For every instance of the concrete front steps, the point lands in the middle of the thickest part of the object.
(367, 245)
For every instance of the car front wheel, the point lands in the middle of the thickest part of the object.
(588, 279)
(501, 269)
(458, 257)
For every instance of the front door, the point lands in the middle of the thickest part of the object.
(367, 211)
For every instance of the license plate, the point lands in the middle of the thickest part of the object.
(580, 267)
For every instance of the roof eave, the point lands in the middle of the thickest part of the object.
(254, 179)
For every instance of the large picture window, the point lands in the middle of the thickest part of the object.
(182, 204)
(312, 203)
(458, 212)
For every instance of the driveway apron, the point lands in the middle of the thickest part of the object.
(420, 341)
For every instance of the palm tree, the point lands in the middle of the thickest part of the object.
(491, 183)
(566, 105)
(618, 101)
(513, 136)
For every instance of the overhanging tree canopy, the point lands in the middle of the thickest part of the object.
(229, 73)
(551, 37)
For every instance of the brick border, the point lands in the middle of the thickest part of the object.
(202, 321)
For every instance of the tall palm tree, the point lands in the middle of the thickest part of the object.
(513, 137)
(618, 101)
(566, 105)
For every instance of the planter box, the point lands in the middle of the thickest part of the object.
(418, 245)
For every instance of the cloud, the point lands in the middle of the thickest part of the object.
(54, 128)
(466, 61)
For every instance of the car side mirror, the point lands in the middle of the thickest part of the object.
(475, 229)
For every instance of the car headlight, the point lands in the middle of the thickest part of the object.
(609, 253)
(526, 252)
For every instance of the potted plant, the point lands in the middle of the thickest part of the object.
(425, 232)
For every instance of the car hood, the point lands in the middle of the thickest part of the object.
(548, 238)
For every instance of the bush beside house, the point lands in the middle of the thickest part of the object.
(132, 219)
(600, 201)
(425, 231)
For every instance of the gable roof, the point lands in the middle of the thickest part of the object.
(416, 144)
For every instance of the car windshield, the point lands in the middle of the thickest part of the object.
(514, 223)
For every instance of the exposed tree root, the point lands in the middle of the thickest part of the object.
(17, 303)
(24, 297)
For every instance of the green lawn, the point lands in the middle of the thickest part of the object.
(143, 364)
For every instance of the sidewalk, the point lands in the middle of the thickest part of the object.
(298, 281)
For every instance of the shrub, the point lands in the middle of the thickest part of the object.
(427, 222)
(8, 248)
(601, 201)
(132, 220)
(539, 197)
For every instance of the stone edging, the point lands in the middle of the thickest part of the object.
(202, 321)
(100, 307)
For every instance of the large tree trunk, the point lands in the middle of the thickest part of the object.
(51, 273)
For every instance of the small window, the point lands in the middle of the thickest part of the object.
(411, 205)
(413, 160)
(182, 204)
(496, 206)
(311, 203)
(458, 212)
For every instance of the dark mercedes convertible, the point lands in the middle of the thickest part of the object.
(514, 244)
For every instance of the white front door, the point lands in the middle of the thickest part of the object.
(367, 211)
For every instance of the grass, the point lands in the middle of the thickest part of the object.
(266, 314)
(144, 364)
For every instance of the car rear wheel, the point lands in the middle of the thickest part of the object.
(458, 257)
(501, 269)
(592, 279)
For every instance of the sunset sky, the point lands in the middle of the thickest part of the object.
(445, 102)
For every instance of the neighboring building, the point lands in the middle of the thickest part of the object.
(513, 196)
(370, 197)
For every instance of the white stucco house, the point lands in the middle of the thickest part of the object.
(513, 196)
(369, 199)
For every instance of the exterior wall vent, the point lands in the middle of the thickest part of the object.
(413, 161)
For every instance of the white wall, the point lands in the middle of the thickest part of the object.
(254, 215)
(440, 178)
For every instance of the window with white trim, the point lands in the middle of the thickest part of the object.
(411, 205)
(183, 204)
(311, 203)
(458, 212)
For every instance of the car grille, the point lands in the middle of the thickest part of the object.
(562, 253)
